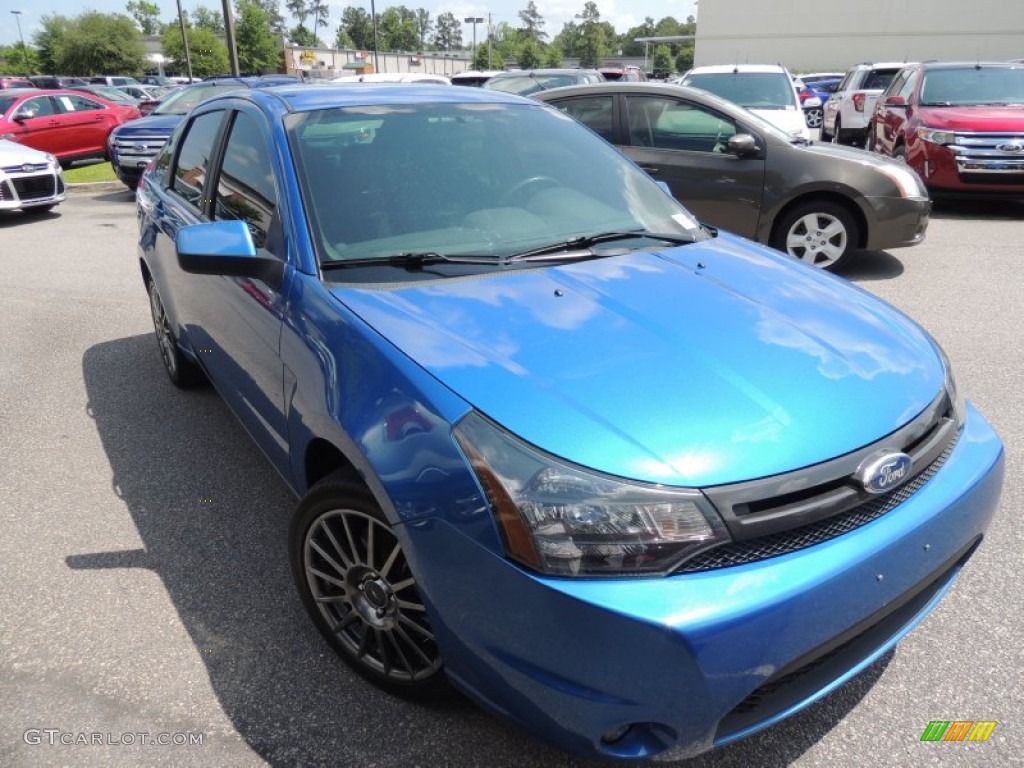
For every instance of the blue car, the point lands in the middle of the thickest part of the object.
(639, 487)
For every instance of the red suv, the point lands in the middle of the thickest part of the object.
(959, 125)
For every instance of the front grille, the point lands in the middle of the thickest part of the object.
(776, 544)
(26, 168)
(35, 187)
(989, 158)
(137, 150)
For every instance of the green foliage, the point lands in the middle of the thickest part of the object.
(447, 32)
(204, 18)
(208, 54)
(553, 57)
(485, 58)
(47, 40)
(358, 27)
(18, 59)
(254, 40)
(570, 39)
(98, 42)
(592, 43)
(397, 29)
(423, 27)
(273, 10)
(662, 63)
(304, 37)
(533, 23)
(146, 15)
(530, 55)
(684, 61)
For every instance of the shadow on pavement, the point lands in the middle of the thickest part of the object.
(213, 521)
(871, 265)
(979, 209)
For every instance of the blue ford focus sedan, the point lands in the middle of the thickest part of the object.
(638, 486)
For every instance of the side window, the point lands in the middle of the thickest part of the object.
(845, 82)
(40, 106)
(77, 104)
(245, 187)
(194, 158)
(595, 112)
(895, 86)
(907, 89)
(665, 123)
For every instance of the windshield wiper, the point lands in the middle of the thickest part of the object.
(413, 262)
(579, 247)
(936, 104)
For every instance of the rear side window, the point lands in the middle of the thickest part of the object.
(194, 158)
(595, 112)
(878, 79)
(77, 104)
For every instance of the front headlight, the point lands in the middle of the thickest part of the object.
(936, 136)
(906, 180)
(52, 161)
(565, 520)
(956, 396)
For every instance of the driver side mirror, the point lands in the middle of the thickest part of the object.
(742, 145)
(895, 101)
(22, 116)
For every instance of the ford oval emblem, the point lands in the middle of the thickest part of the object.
(883, 472)
(1011, 146)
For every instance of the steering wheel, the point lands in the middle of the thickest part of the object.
(516, 190)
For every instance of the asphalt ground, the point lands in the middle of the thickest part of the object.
(144, 584)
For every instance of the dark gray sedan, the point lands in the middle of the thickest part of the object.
(817, 202)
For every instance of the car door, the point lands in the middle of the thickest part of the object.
(234, 323)
(40, 128)
(83, 123)
(683, 143)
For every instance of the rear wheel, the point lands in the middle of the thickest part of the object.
(357, 585)
(837, 132)
(822, 234)
(814, 117)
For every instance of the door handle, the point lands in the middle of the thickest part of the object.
(649, 169)
(53, 123)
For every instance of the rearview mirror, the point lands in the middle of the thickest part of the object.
(225, 248)
(741, 145)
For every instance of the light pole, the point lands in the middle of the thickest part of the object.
(24, 50)
(184, 41)
(474, 20)
(376, 46)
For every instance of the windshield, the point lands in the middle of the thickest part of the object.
(753, 90)
(524, 84)
(478, 179)
(112, 94)
(6, 102)
(971, 86)
(182, 102)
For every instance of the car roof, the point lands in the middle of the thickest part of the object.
(883, 64)
(302, 98)
(969, 65)
(736, 69)
(544, 71)
(661, 89)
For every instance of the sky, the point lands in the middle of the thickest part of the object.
(622, 14)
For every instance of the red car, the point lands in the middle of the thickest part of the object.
(68, 124)
(959, 125)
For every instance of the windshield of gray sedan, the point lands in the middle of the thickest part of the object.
(479, 179)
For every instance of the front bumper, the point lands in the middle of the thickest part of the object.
(945, 172)
(898, 221)
(684, 660)
(21, 190)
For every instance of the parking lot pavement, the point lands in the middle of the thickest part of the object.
(145, 585)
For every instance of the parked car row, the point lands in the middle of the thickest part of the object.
(629, 482)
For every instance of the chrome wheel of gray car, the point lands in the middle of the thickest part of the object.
(814, 118)
(820, 234)
(365, 594)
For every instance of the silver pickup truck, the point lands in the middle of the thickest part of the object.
(848, 112)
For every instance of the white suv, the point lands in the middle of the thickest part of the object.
(848, 111)
(767, 90)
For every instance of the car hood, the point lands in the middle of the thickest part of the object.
(694, 366)
(1008, 119)
(792, 121)
(150, 126)
(11, 153)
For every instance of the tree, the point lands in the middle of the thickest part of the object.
(570, 38)
(629, 45)
(397, 29)
(423, 26)
(553, 57)
(254, 40)
(684, 61)
(447, 32)
(273, 10)
(530, 54)
(204, 18)
(358, 27)
(484, 56)
(662, 62)
(18, 59)
(533, 23)
(99, 42)
(146, 15)
(48, 39)
(299, 10)
(303, 37)
(592, 43)
(207, 52)
(320, 12)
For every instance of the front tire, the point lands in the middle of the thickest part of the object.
(181, 371)
(358, 588)
(821, 234)
(814, 118)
